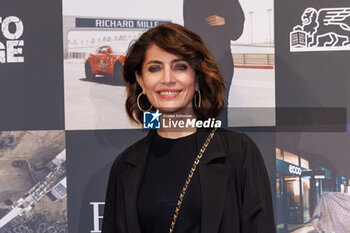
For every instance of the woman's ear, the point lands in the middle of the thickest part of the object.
(197, 84)
(139, 79)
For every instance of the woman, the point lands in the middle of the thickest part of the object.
(169, 69)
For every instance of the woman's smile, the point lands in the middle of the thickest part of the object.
(168, 94)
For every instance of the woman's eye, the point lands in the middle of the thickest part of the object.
(153, 68)
(181, 67)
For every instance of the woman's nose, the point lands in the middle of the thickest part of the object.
(168, 75)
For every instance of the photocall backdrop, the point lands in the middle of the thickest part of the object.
(62, 129)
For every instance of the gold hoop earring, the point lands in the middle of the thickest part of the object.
(197, 106)
(138, 103)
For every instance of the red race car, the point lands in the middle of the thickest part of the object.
(104, 62)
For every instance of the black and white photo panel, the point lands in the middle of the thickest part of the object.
(33, 181)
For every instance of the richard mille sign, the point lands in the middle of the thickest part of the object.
(117, 23)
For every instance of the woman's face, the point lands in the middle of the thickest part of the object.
(168, 81)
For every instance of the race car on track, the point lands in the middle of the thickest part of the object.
(104, 62)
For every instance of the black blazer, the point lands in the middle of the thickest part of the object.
(236, 195)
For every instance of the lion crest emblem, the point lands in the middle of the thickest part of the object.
(323, 30)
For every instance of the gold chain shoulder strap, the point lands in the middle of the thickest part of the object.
(188, 180)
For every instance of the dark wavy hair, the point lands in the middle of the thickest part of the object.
(184, 43)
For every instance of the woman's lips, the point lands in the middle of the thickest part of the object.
(168, 94)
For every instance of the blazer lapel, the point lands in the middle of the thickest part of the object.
(213, 175)
(131, 181)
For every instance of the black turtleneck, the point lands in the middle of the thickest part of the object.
(169, 163)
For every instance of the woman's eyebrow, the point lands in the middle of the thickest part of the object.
(159, 62)
(177, 60)
(154, 61)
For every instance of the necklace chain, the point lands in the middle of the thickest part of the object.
(188, 180)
